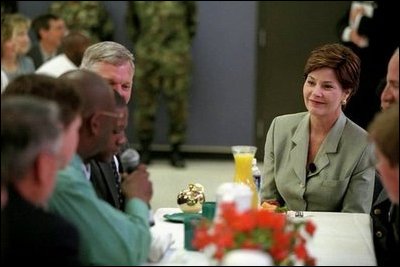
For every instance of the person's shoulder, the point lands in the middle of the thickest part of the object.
(68, 171)
(355, 138)
(70, 180)
(26, 63)
(35, 54)
(38, 236)
(291, 118)
(60, 238)
(26, 59)
(35, 221)
(352, 128)
(288, 123)
(58, 226)
(4, 80)
(34, 50)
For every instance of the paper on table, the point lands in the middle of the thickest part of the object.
(160, 243)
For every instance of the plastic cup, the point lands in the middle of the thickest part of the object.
(190, 223)
(208, 210)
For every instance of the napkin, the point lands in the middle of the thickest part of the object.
(160, 243)
(247, 257)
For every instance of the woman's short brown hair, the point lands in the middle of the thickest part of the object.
(341, 59)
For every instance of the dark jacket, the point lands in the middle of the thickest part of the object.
(36, 55)
(32, 236)
(104, 182)
(385, 219)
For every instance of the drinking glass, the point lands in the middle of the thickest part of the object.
(243, 156)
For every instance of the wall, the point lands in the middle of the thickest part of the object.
(221, 100)
(292, 30)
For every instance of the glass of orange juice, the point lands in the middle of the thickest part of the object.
(243, 156)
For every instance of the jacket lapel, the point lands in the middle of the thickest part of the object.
(108, 177)
(298, 154)
(329, 145)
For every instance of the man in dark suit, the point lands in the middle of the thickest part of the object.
(105, 177)
(31, 135)
(49, 30)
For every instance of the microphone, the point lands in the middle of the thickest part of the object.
(312, 167)
(130, 159)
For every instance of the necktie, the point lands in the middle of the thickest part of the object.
(117, 183)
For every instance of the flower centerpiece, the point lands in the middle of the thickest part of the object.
(281, 237)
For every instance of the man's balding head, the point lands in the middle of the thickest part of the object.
(390, 93)
(98, 114)
(94, 90)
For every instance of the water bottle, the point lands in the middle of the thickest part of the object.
(256, 174)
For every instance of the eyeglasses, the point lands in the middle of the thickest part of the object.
(112, 114)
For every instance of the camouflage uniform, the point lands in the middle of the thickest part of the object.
(8, 7)
(162, 33)
(88, 17)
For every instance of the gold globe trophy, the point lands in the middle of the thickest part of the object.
(191, 200)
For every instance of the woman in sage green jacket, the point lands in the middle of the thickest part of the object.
(320, 160)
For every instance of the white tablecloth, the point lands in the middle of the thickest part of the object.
(343, 239)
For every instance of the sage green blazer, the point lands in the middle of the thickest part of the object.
(344, 177)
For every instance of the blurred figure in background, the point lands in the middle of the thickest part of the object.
(390, 93)
(31, 135)
(311, 155)
(65, 95)
(4, 80)
(4, 200)
(15, 43)
(368, 28)
(49, 30)
(384, 132)
(162, 34)
(8, 7)
(383, 211)
(72, 47)
(89, 17)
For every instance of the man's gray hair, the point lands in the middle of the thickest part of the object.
(29, 125)
(109, 52)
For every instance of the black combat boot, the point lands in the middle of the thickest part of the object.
(145, 152)
(177, 159)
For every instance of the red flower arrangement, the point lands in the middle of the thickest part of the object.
(282, 238)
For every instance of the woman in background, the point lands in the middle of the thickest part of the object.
(15, 44)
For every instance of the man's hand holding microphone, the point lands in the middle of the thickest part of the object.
(135, 179)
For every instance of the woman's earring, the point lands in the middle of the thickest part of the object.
(344, 102)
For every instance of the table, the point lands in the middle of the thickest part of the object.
(341, 239)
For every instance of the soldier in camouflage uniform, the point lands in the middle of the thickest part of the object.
(88, 17)
(162, 33)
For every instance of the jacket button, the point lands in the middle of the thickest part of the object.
(378, 234)
(377, 211)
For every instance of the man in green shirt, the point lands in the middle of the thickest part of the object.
(108, 236)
